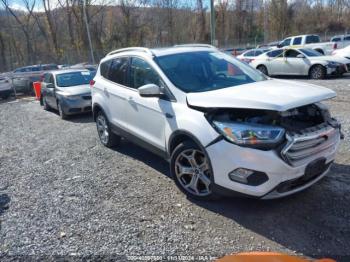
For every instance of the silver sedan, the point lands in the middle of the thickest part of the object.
(67, 91)
(300, 61)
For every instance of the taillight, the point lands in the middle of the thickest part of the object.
(92, 82)
(335, 46)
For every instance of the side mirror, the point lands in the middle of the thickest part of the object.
(300, 56)
(279, 45)
(150, 90)
(50, 85)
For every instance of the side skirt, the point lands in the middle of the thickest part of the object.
(138, 141)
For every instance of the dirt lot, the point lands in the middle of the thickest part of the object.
(62, 193)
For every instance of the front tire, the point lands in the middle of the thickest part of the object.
(107, 137)
(60, 111)
(192, 172)
(263, 69)
(45, 105)
(317, 72)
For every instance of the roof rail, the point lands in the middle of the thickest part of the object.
(195, 45)
(142, 49)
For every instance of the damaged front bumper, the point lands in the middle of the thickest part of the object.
(284, 177)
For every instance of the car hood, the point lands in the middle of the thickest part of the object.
(331, 58)
(74, 90)
(277, 95)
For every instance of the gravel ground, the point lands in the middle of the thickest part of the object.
(62, 193)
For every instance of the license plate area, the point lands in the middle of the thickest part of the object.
(315, 168)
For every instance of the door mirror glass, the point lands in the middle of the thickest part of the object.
(150, 90)
(50, 85)
(300, 56)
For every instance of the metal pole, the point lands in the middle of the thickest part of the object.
(88, 32)
(212, 22)
(266, 30)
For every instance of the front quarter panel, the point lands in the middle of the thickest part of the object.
(192, 122)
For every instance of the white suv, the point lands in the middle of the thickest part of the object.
(223, 126)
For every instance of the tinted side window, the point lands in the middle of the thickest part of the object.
(347, 38)
(335, 39)
(291, 53)
(275, 53)
(141, 73)
(312, 39)
(297, 41)
(104, 67)
(118, 70)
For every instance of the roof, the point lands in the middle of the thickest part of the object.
(164, 50)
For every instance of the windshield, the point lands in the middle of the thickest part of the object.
(74, 78)
(310, 52)
(206, 71)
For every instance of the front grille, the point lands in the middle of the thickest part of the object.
(310, 143)
(74, 110)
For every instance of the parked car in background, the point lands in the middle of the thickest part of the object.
(308, 41)
(67, 91)
(251, 54)
(300, 61)
(87, 66)
(344, 52)
(24, 77)
(341, 40)
(5, 87)
(224, 127)
(269, 45)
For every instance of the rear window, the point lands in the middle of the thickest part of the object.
(312, 39)
(336, 39)
(275, 53)
(49, 67)
(73, 78)
(104, 67)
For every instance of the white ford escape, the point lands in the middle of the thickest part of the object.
(224, 127)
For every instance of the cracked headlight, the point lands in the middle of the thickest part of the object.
(250, 134)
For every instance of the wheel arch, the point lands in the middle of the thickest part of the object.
(317, 64)
(180, 136)
(96, 107)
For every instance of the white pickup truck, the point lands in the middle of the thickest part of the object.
(341, 40)
(309, 41)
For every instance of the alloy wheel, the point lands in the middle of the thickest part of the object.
(102, 129)
(193, 172)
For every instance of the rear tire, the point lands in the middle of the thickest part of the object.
(263, 69)
(317, 72)
(192, 172)
(107, 137)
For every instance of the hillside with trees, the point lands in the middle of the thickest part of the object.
(56, 32)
